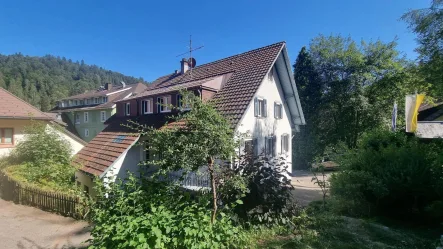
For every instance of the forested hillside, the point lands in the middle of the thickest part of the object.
(43, 80)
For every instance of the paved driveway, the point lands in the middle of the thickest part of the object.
(305, 190)
(25, 227)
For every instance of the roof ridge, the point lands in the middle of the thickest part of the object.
(244, 53)
(35, 108)
(227, 58)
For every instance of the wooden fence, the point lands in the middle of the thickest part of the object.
(11, 190)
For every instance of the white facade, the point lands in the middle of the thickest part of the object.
(261, 127)
(19, 126)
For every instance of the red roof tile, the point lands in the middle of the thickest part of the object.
(13, 107)
(103, 151)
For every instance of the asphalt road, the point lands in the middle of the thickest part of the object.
(26, 227)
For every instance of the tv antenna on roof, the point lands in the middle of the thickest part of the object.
(191, 61)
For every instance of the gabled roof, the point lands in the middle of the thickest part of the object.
(248, 71)
(124, 93)
(101, 153)
(15, 108)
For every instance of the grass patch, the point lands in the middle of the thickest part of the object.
(338, 232)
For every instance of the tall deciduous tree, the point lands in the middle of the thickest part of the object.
(427, 23)
(198, 138)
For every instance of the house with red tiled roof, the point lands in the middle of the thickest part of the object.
(86, 113)
(255, 90)
(16, 114)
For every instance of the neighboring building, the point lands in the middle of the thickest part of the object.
(254, 90)
(16, 114)
(430, 121)
(86, 113)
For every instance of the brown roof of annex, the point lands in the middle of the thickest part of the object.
(15, 108)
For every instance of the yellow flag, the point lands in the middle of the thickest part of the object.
(418, 101)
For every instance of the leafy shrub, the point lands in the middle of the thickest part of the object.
(267, 198)
(44, 157)
(151, 214)
(390, 174)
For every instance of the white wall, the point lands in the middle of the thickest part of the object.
(75, 145)
(260, 127)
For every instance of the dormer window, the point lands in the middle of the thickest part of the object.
(75, 102)
(96, 101)
(128, 109)
(163, 104)
(105, 99)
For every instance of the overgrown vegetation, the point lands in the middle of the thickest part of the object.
(42, 158)
(393, 175)
(148, 211)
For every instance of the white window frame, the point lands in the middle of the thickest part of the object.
(105, 99)
(77, 118)
(284, 137)
(128, 109)
(148, 109)
(86, 132)
(96, 100)
(86, 117)
(163, 106)
(103, 116)
(278, 114)
(260, 107)
(180, 103)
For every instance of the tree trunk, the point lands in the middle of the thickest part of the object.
(214, 189)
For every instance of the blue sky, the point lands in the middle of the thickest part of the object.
(142, 38)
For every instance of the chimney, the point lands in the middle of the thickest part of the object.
(184, 65)
(108, 86)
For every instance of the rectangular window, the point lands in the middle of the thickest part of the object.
(163, 104)
(95, 100)
(105, 99)
(249, 147)
(146, 106)
(278, 110)
(86, 117)
(284, 143)
(6, 136)
(75, 102)
(270, 143)
(86, 101)
(260, 107)
(77, 118)
(86, 132)
(147, 153)
(128, 109)
(183, 104)
(103, 116)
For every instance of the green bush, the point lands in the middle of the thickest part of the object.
(391, 174)
(150, 214)
(263, 188)
(44, 157)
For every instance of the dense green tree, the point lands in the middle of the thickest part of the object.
(427, 23)
(347, 70)
(309, 85)
(42, 81)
